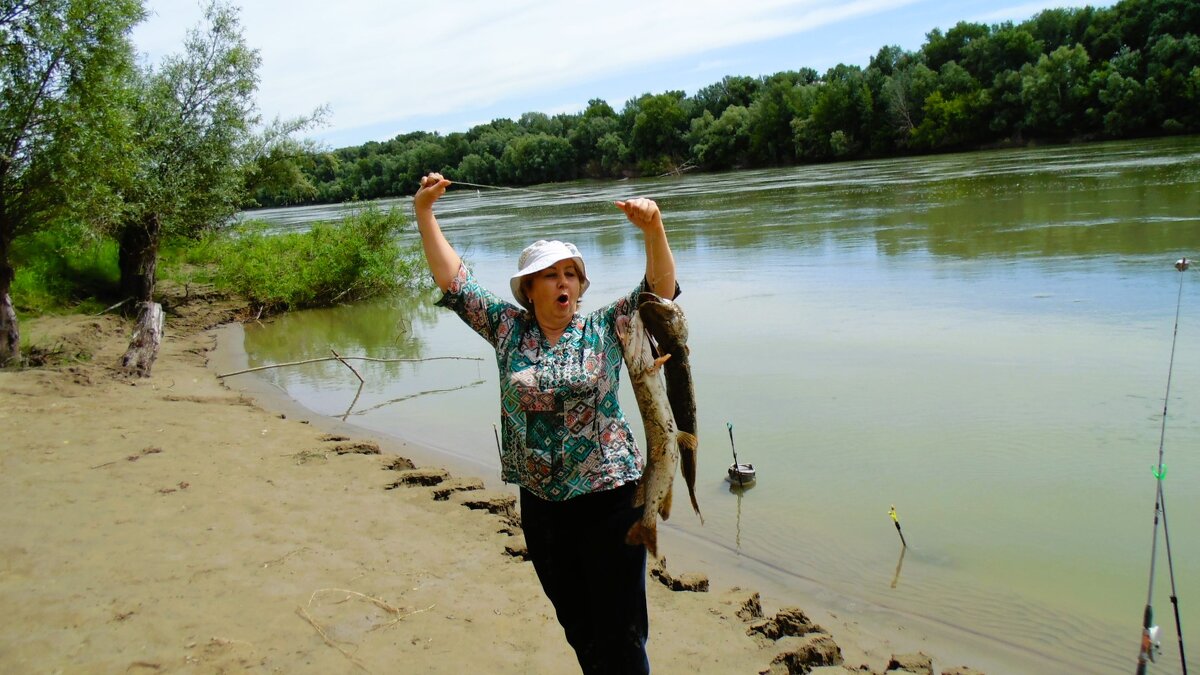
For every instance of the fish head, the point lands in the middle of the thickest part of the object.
(664, 318)
(631, 331)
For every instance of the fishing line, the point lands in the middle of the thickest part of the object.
(1149, 631)
(493, 187)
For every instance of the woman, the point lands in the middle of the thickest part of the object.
(566, 443)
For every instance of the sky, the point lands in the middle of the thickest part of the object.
(390, 67)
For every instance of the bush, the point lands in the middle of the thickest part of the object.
(62, 266)
(356, 258)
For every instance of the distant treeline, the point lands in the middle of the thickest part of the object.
(1066, 74)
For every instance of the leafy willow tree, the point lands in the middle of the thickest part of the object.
(281, 165)
(192, 118)
(62, 70)
(195, 155)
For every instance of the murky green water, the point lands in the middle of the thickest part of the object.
(981, 340)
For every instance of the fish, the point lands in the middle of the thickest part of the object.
(662, 436)
(666, 323)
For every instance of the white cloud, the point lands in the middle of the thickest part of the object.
(374, 61)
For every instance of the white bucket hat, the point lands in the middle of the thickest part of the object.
(542, 254)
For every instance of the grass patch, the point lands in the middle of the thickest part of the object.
(63, 268)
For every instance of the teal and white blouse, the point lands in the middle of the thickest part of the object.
(563, 432)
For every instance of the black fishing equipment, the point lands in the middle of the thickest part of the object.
(1151, 647)
(736, 474)
(499, 451)
(896, 520)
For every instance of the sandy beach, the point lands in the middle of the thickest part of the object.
(173, 524)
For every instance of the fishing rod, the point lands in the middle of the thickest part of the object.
(1151, 646)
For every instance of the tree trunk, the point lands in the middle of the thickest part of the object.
(10, 333)
(137, 258)
(147, 336)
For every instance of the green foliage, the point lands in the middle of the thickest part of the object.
(61, 267)
(537, 158)
(279, 167)
(722, 143)
(660, 125)
(1055, 92)
(357, 258)
(62, 69)
(193, 120)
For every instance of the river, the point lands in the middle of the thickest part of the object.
(981, 340)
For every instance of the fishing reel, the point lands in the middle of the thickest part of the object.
(1182, 264)
(1151, 645)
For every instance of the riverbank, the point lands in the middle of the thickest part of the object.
(172, 524)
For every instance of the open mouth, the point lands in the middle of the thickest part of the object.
(562, 299)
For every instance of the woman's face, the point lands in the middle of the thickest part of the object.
(554, 292)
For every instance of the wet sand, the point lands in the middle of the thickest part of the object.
(175, 524)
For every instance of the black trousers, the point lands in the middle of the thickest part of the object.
(596, 582)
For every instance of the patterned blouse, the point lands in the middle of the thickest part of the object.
(564, 433)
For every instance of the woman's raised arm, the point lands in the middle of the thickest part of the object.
(443, 260)
(660, 263)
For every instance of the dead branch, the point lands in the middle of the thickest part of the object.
(343, 362)
(305, 615)
(395, 612)
(343, 359)
(109, 309)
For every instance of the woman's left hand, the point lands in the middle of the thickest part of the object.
(643, 213)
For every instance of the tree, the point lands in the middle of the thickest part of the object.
(61, 67)
(950, 120)
(280, 165)
(660, 129)
(837, 122)
(730, 91)
(781, 98)
(1007, 48)
(596, 121)
(193, 121)
(721, 143)
(1055, 91)
(1171, 69)
(537, 158)
(940, 48)
(905, 92)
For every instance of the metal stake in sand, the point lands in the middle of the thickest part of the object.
(896, 519)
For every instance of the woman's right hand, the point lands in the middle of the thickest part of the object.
(432, 187)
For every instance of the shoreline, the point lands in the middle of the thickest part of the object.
(175, 524)
(874, 632)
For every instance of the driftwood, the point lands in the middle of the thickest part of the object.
(10, 333)
(111, 308)
(344, 359)
(147, 337)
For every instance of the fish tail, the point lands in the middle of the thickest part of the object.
(646, 536)
(688, 447)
